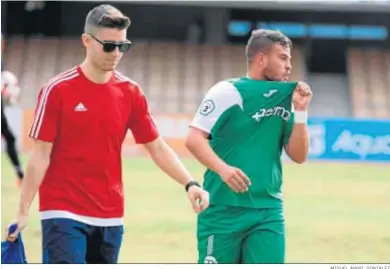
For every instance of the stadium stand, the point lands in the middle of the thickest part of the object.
(369, 76)
(181, 73)
(175, 73)
(332, 97)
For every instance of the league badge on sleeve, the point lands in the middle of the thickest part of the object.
(207, 107)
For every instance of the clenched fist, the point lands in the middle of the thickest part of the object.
(21, 223)
(302, 96)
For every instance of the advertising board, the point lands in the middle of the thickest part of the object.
(330, 139)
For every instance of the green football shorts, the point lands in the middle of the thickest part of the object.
(235, 235)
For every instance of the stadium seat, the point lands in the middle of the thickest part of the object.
(376, 78)
(298, 64)
(191, 82)
(67, 58)
(386, 55)
(210, 64)
(14, 57)
(134, 64)
(32, 76)
(171, 77)
(224, 65)
(154, 60)
(358, 83)
(238, 60)
(49, 60)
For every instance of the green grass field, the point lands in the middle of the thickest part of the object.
(334, 212)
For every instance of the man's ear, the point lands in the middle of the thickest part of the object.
(262, 59)
(85, 39)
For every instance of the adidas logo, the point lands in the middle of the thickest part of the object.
(80, 108)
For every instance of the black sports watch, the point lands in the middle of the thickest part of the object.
(190, 184)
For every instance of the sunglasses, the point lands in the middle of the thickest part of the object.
(110, 46)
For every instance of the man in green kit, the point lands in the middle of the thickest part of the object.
(239, 133)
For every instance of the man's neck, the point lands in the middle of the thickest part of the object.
(255, 75)
(94, 75)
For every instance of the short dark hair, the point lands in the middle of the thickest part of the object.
(105, 16)
(261, 40)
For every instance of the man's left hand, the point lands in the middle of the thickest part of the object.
(199, 198)
(302, 96)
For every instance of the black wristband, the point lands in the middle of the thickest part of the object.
(190, 184)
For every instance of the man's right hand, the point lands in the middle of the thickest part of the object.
(21, 223)
(197, 143)
(235, 178)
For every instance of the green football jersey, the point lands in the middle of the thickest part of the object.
(249, 122)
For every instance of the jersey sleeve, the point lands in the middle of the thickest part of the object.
(216, 102)
(141, 122)
(46, 119)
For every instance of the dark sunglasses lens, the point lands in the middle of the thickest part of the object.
(124, 47)
(109, 47)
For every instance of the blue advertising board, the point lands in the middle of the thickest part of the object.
(349, 139)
